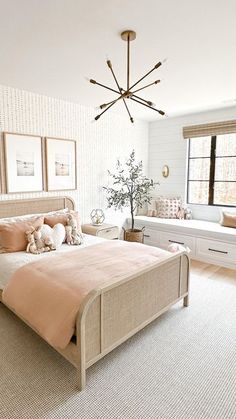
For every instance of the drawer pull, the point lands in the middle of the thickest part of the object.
(146, 235)
(108, 231)
(218, 251)
(174, 241)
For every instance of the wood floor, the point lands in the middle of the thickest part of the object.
(205, 270)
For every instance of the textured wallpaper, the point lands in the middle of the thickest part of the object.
(98, 143)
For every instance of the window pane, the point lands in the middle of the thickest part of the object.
(225, 193)
(199, 169)
(226, 145)
(225, 169)
(200, 147)
(198, 192)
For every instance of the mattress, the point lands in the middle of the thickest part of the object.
(10, 262)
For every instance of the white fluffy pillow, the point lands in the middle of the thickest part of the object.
(56, 234)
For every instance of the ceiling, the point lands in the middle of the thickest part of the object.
(52, 46)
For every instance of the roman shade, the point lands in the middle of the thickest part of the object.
(215, 128)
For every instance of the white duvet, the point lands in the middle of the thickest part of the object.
(10, 262)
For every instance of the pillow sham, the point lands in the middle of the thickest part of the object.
(228, 219)
(52, 220)
(12, 233)
(29, 216)
(168, 207)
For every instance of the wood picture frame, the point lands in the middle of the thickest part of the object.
(23, 159)
(61, 162)
(2, 185)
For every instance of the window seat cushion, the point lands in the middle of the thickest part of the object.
(198, 228)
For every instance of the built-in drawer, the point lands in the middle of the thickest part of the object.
(168, 238)
(151, 237)
(215, 251)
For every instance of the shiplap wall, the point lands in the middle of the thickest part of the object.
(167, 146)
(98, 143)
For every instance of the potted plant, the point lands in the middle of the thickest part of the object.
(131, 188)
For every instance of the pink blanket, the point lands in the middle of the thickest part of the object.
(47, 293)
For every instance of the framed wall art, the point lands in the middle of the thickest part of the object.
(23, 163)
(1, 168)
(60, 164)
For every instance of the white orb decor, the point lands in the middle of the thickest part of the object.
(97, 216)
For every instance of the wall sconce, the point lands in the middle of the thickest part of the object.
(165, 171)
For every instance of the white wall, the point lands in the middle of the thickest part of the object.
(98, 143)
(167, 146)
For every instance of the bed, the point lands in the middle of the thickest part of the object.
(111, 313)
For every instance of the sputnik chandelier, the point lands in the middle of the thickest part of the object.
(128, 93)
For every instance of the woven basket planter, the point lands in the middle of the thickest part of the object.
(134, 235)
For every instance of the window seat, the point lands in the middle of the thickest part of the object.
(208, 241)
(198, 227)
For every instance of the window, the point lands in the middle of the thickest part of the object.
(212, 170)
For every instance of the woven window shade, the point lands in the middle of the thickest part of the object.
(216, 128)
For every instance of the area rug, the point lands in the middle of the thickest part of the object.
(181, 366)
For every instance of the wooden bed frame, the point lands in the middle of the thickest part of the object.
(109, 315)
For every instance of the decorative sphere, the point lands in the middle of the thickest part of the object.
(97, 216)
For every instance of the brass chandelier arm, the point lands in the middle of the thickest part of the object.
(120, 89)
(98, 116)
(114, 76)
(103, 85)
(130, 117)
(150, 107)
(144, 87)
(104, 105)
(144, 100)
(147, 74)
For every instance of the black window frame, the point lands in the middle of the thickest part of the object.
(212, 180)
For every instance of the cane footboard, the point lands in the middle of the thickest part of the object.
(112, 314)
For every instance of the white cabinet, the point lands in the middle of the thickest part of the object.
(216, 252)
(151, 237)
(167, 238)
(208, 242)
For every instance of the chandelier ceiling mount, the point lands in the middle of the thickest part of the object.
(129, 92)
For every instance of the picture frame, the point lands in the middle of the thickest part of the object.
(1, 168)
(61, 164)
(23, 160)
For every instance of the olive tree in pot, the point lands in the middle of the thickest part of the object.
(131, 188)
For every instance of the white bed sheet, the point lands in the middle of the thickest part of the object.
(10, 262)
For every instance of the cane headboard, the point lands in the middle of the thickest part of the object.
(11, 208)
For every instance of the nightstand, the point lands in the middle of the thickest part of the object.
(107, 231)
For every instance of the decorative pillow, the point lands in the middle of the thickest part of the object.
(51, 220)
(176, 247)
(228, 219)
(152, 213)
(12, 233)
(56, 234)
(168, 207)
(142, 211)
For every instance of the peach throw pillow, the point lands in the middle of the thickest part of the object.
(12, 234)
(52, 220)
(228, 220)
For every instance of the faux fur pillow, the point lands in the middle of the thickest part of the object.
(168, 207)
(228, 219)
(12, 233)
(56, 234)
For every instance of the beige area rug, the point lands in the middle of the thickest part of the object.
(181, 366)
